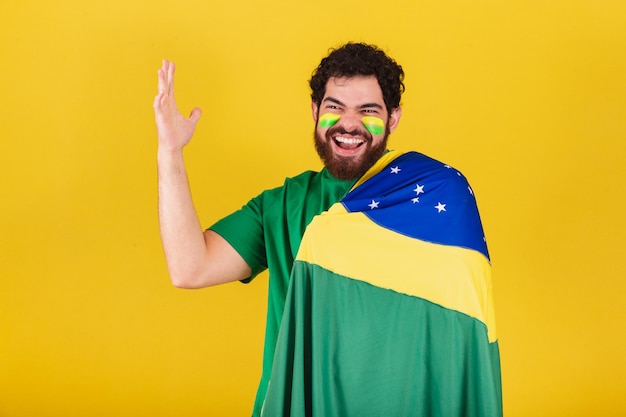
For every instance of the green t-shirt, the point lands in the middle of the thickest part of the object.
(267, 233)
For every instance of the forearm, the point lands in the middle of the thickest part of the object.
(181, 231)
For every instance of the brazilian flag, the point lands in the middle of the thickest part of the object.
(389, 311)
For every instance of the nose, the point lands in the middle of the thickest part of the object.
(350, 120)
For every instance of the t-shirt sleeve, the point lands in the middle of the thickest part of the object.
(243, 230)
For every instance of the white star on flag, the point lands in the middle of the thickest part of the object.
(373, 204)
(419, 189)
(440, 207)
(395, 170)
(416, 200)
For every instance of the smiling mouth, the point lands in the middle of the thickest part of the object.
(348, 143)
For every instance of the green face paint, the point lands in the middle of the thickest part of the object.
(374, 125)
(328, 119)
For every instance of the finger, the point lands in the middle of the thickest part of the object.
(195, 114)
(161, 83)
(159, 102)
(162, 75)
(170, 78)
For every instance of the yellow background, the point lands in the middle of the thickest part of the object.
(527, 98)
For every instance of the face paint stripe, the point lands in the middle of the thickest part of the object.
(374, 125)
(328, 119)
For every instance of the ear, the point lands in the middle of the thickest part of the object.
(394, 118)
(314, 111)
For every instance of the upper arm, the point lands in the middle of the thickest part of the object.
(235, 246)
(227, 264)
(222, 264)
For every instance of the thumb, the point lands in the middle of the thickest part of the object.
(195, 114)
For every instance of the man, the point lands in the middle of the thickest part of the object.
(379, 273)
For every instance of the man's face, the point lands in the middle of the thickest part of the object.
(347, 147)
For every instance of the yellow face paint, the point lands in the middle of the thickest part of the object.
(328, 119)
(374, 125)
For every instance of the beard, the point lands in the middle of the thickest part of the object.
(349, 168)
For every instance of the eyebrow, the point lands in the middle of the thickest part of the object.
(362, 106)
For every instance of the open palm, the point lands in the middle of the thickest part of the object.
(174, 130)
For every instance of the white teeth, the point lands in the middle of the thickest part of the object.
(349, 141)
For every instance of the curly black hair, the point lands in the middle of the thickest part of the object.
(354, 59)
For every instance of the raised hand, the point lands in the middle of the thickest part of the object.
(174, 130)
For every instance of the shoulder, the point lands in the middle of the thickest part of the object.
(301, 181)
(425, 166)
(293, 188)
(302, 178)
